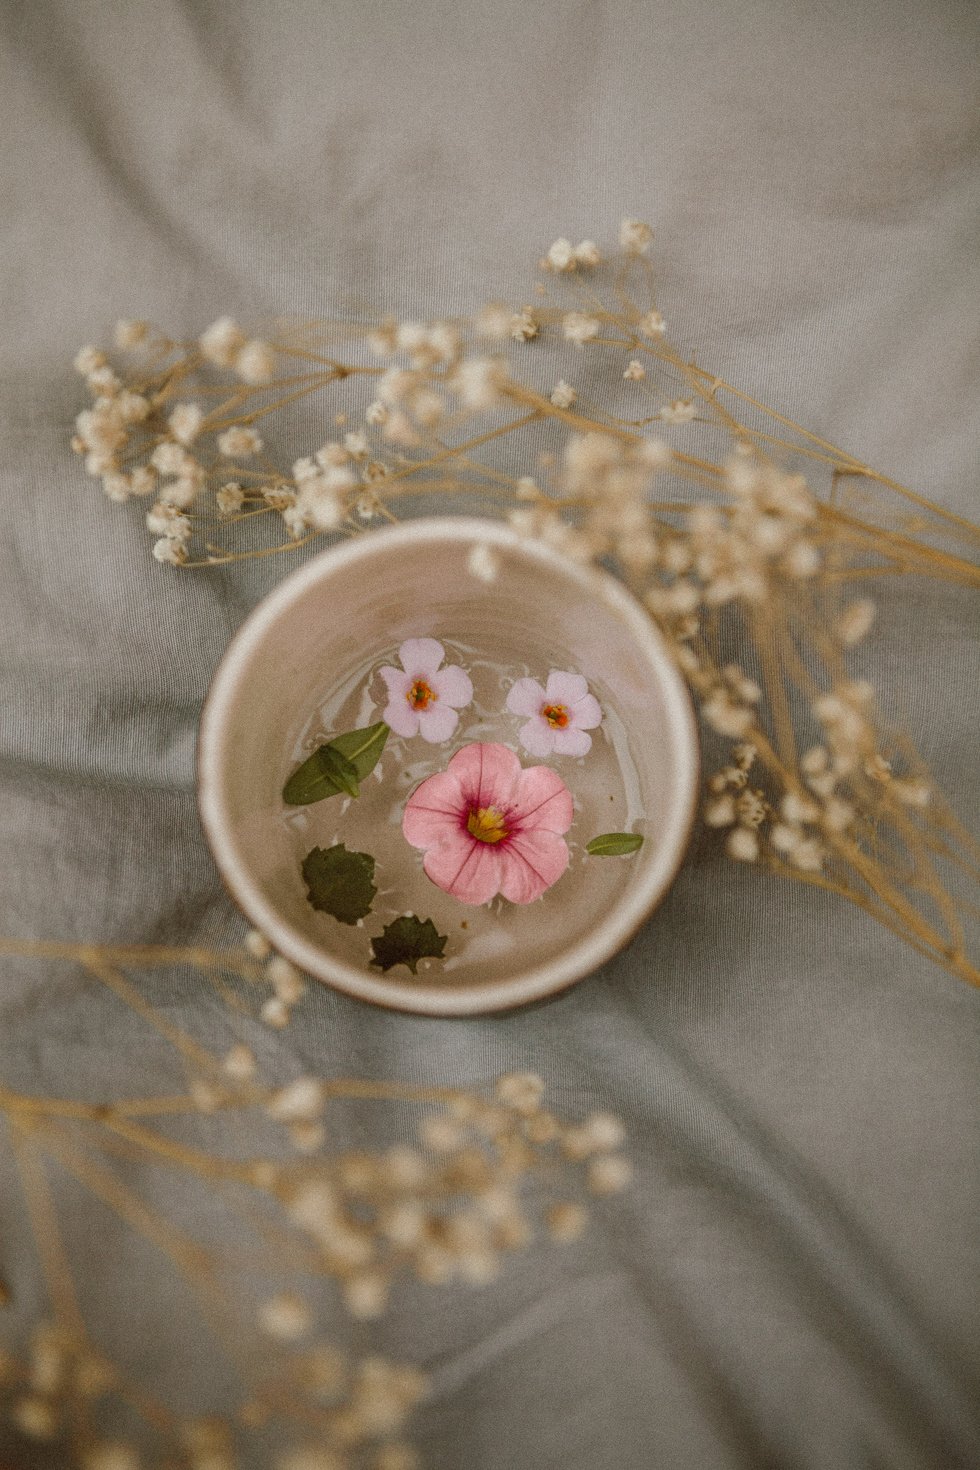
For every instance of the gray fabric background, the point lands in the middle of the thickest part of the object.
(792, 1279)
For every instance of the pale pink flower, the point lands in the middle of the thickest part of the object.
(488, 826)
(422, 697)
(560, 714)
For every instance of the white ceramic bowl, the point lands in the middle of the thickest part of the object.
(367, 595)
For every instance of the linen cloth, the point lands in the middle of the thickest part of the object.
(791, 1279)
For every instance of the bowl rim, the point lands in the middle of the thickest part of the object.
(623, 920)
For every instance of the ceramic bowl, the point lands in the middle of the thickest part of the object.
(364, 597)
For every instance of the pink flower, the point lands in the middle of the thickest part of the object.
(560, 714)
(422, 697)
(487, 826)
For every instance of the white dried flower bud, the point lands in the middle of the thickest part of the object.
(116, 487)
(256, 362)
(143, 480)
(563, 395)
(230, 499)
(635, 371)
(855, 621)
(560, 256)
(478, 381)
(524, 326)
(526, 488)
(130, 333)
(797, 809)
(441, 1134)
(681, 411)
(483, 564)
(222, 342)
(653, 324)
(580, 328)
(588, 254)
(285, 979)
(802, 560)
(635, 236)
(88, 360)
(110, 1455)
(105, 382)
(376, 413)
(428, 406)
(609, 1174)
(742, 844)
(285, 1317)
(720, 813)
(185, 423)
(521, 1091)
(132, 408)
(356, 444)
(807, 855)
(257, 945)
(494, 321)
(169, 551)
(298, 1101)
(239, 442)
(275, 1013)
(366, 1295)
(239, 1063)
(169, 458)
(911, 791)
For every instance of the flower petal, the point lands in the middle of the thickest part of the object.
(486, 774)
(468, 870)
(401, 717)
(525, 697)
(532, 862)
(421, 655)
(437, 723)
(572, 742)
(537, 736)
(586, 713)
(542, 801)
(453, 686)
(397, 682)
(566, 688)
(434, 812)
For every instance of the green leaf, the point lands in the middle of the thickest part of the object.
(614, 844)
(340, 882)
(337, 766)
(406, 941)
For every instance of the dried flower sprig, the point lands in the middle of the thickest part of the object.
(734, 525)
(487, 1173)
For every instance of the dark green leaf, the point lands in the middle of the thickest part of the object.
(406, 941)
(340, 882)
(362, 747)
(338, 766)
(613, 844)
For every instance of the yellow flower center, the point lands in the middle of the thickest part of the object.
(420, 696)
(556, 715)
(486, 824)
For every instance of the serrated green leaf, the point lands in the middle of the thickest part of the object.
(339, 882)
(338, 766)
(614, 844)
(407, 940)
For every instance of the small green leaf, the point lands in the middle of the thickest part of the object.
(362, 747)
(406, 941)
(337, 766)
(613, 844)
(340, 882)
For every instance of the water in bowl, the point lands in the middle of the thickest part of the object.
(494, 940)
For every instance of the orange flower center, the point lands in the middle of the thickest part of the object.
(556, 715)
(420, 696)
(486, 824)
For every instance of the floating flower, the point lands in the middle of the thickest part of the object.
(560, 714)
(422, 697)
(488, 826)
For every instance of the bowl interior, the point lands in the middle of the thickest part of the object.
(316, 641)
